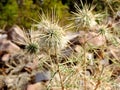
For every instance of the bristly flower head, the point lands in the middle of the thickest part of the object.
(32, 46)
(52, 37)
(84, 17)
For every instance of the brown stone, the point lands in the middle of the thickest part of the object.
(93, 38)
(5, 57)
(16, 35)
(8, 46)
(37, 86)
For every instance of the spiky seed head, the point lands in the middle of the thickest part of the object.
(52, 37)
(85, 18)
(103, 29)
(32, 48)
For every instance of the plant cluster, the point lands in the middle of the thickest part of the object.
(93, 58)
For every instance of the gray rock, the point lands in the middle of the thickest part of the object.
(3, 36)
(42, 76)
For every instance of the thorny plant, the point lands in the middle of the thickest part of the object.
(77, 72)
(109, 32)
(32, 46)
(52, 37)
(85, 17)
